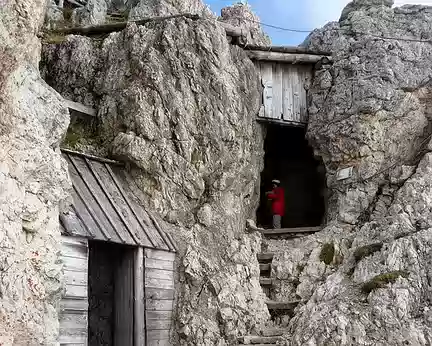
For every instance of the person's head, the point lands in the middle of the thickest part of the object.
(275, 183)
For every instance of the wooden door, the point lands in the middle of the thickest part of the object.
(124, 299)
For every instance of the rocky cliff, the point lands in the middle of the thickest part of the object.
(33, 179)
(178, 103)
(366, 279)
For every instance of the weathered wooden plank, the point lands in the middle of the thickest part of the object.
(288, 102)
(253, 339)
(156, 335)
(291, 58)
(267, 82)
(72, 224)
(73, 340)
(159, 274)
(265, 267)
(139, 306)
(159, 283)
(75, 291)
(265, 256)
(158, 324)
(74, 264)
(77, 278)
(79, 107)
(121, 180)
(287, 49)
(115, 195)
(76, 249)
(124, 302)
(159, 294)
(277, 91)
(73, 305)
(283, 231)
(74, 334)
(73, 320)
(266, 281)
(163, 315)
(159, 305)
(159, 254)
(159, 264)
(106, 213)
(306, 73)
(164, 342)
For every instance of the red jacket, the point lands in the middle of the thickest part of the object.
(278, 201)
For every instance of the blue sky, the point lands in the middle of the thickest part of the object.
(295, 14)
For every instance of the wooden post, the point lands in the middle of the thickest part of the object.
(139, 309)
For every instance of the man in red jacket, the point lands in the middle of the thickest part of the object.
(277, 196)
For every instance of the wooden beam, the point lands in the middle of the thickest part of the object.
(139, 308)
(252, 339)
(292, 231)
(289, 58)
(287, 49)
(265, 256)
(91, 157)
(265, 267)
(266, 282)
(113, 27)
(79, 107)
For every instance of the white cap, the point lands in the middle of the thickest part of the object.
(276, 181)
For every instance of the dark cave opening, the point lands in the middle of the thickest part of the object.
(290, 159)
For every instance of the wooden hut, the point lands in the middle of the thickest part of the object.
(118, 262)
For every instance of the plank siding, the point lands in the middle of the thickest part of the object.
(284, 92)
(74, 304)
(159, 295)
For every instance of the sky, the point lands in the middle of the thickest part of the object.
(296, 14)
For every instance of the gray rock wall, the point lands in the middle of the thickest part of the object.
(178, 103)
(365, 279)
(33, 179)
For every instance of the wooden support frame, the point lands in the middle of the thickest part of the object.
(139, 305)
(80, 108)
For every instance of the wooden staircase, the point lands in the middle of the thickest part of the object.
(289, 233)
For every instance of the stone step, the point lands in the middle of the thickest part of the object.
(266, 281)
(265, 267)
(273, 305)
(275, 331)
(260, 344)
(265, 257)
(259, 340)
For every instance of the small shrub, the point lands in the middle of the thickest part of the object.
(380, 281)
(327, 253)
(366, 251)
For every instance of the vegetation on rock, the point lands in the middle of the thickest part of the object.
(380, 281)
(366, 251)
(327, 253)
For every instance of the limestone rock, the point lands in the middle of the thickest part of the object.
(178, 103)
(370, 110)
(157, 8)
(33, 179)
(241, 15)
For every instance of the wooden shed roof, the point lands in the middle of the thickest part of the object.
(106, 208)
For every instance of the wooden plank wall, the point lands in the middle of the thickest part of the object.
(159, 295)
(74, 304)
(284, 94)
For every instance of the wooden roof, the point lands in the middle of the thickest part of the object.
(105, 206)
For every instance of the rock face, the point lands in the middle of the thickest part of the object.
(241, 15)
(33, 179)
(179, 103)
(366, 279)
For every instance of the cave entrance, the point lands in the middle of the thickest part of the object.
(110, 294)
(289, 159)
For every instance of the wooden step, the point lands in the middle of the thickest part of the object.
(265, 257)
(264, 267)
(259, 340)
(260, 344)
(266, 281)
(273, 305)
(290, 231)
(275, 331)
